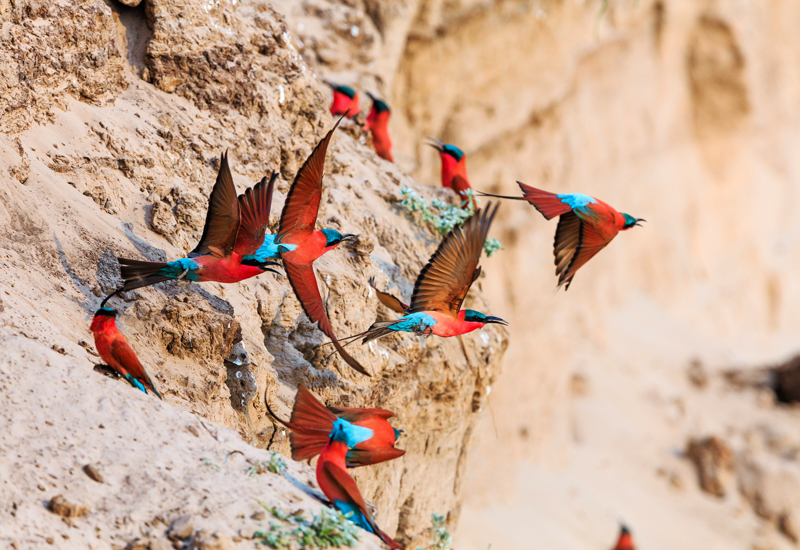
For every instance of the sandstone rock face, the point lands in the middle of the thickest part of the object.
(117, 158)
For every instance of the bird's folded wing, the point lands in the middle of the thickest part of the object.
(302, 202)
(354, 415)
(444, 282)
(304, 283)
(122, 351)
(575, 244)
(254, 207)
(346, 485)
(222, 220)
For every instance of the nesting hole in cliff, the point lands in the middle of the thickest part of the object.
(135, 34)
(782, 380)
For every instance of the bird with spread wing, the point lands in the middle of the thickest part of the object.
(234, 230)
(441, 287)
(302, 244)
(585, 226)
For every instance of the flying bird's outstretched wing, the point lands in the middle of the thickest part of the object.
(304, 283)
(576, 242)
(302, 202)
(254, 207)
(444, 282)
(222, 220)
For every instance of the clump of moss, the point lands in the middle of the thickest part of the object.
(444, 217)
(329, 529)
(441, 538)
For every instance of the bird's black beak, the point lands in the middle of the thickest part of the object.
(349, 237)
(372, 97)
(639, 220)
(435, 143)
(276, 264)
(496, 320)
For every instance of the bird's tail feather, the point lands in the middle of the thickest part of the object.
(138, 274)
(548, 204)
(378, 330)
(311, 425)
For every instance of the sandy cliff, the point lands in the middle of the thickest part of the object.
(680, 112)
(113, 122)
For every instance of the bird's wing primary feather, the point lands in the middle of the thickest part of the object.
(575, 244)
(388, 300)
(304, 283)
(359, 457)
(444, 282)
(302, 202)
(548, 204)
(254, 207)
(222, 220)
(354, 415)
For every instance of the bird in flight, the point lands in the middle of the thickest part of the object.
(585, 226)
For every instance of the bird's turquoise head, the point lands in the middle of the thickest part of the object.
(378, 105)
(334, 238)
(397, 433)
(105, 312)
(472, 316)
(346, 90)
(446, 149)
(630, 221)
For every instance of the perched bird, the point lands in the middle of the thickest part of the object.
(345, 100)
(370, 438)
(234, 230)
(378, 124)
(305, 244)
(442, 285)
(341, 489)
(115, 350)
(585, 227)
(625, 540)
(454, 166)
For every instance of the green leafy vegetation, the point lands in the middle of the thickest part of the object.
(441, 538)
(329, 529)
(444, 217)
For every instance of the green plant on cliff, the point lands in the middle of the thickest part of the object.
(329, 529)
(444, 217)
(441, 538)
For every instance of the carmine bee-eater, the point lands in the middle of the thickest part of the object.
(625, 540)
(302, 244)
(454, 166)
(345, 100)
(585, 227)
(442, 285)
(378, 124)
(341, 489)
(234, 230)
(115, 350)
(370, 438)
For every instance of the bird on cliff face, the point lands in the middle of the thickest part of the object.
(454, 167)
(442, 285)
(586, 225)
(303, 244)
(345, 100)
(378, 124)
(370, 438)
(625, 540)
(234, 230)
(115, 350)
(341, 489)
